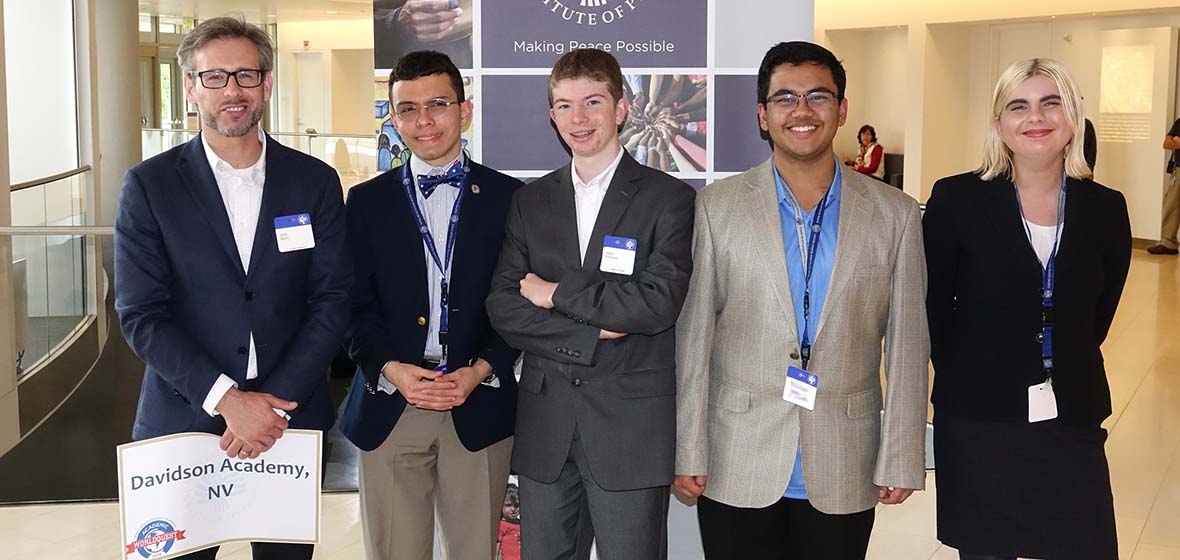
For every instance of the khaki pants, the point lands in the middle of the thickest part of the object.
(1171, 217)
(423, 468)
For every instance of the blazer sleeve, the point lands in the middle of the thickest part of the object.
(538, 331)
(942, 248)
(329, 279)
(367, 340)
(650, 302)
(143, 299)
(1116, 261)
(901, 458)
(694, 344)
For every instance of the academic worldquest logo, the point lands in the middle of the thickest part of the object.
(155, 539)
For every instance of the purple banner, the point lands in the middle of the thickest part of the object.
(640, 33)
(736, 137)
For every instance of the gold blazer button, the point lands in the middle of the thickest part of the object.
(421, 321)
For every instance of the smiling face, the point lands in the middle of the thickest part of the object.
(1033, 123)
(231, 111)
(587, 117)
(434, 139)
(805, 132)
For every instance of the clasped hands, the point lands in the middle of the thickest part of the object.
(539, 292)
(691, 486)
(434, 390)
(252, 421)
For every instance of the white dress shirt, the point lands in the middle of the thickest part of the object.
(241, 191)
(1042, 239)
(437, 212)
(588, 200)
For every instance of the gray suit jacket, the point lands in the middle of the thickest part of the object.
(737, 335)
(620, 394)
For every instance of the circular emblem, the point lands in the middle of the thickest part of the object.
(155, 539)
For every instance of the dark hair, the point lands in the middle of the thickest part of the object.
(419, 64)
(225, 28)
(512, 495)
(796, 53)
(862, 130)
(592, 64)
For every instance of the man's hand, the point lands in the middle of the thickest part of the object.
(236, 447)
(429, 20)
(463, 381)
(604, 334)
(250, 417)
(537, 290)
(690, 486)
(413, 382)
(892, 496)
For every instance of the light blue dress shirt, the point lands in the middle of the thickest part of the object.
(825, 257)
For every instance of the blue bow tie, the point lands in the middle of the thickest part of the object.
(453, 177)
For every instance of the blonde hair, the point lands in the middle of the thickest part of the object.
(997, 157)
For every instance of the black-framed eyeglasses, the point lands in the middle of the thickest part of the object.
(408, 112)
(217, 78)
(789, 101)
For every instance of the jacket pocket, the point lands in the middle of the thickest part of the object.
(733, 399)
(652, 383)
(864, 403)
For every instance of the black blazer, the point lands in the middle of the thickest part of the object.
(187, 307)
(390, 295)
(984, 304)
(621, 394)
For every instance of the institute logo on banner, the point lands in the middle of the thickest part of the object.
(155, 539)
(592, 12)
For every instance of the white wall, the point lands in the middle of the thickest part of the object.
(876, 64)
(343, 42)
(352, 92)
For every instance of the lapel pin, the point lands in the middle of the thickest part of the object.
(474, 189)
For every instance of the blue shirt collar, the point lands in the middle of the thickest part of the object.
(786, 196)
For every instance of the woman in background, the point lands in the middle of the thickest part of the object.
(1027, 259)
(870, 157)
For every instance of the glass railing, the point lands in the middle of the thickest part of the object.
(52, 274)
(354, 157)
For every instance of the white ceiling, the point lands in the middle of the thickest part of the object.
(258, 10)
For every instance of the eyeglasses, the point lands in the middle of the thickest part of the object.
(790, 101)
(408, 112)
(217, 79)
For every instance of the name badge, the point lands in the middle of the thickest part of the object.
(801, 388)
(618, 255)
(1042, 403)
(294, 233)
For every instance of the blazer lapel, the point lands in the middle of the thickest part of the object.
(1009, 224)
(564, 215)
(763, 209)
(467, 236)
(274, 192)
(619, 194)
(194, 171)
(856, 212)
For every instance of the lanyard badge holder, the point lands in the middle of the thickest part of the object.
(802, 386)
(444, 266)
(1042, 402)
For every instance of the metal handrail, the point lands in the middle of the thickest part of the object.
(49, 179)
(56, 230)
(316, 135)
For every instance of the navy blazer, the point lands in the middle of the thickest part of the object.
(984, 305)
(390, 295)
(187, 307)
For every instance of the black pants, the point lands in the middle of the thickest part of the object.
(262, 551)
(787, 530)
(969, 556)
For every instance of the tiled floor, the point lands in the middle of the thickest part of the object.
(1142, 360)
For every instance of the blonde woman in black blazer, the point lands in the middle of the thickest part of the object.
(1015, 477)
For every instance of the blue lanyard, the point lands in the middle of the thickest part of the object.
(444, 266)
(1048, 279)
(812, 244)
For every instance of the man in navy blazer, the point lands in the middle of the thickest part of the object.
(435, 221)
(231, 269)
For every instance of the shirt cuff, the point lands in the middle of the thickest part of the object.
(220, 387)
(384, 385)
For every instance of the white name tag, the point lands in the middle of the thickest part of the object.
(618, 255)
(294, 233)
(801, 388)
(1042, 403)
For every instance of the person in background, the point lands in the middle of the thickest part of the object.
(1027, 259)
(1170, 220)
(870, 156)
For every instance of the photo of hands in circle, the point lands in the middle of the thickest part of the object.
(667, 127)
(402, 26)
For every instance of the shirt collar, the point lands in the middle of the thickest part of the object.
(418, 166)
(600, 181)
(219, 165)
(786, 196)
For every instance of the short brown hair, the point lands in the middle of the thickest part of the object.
(592, 64)
(226, 28)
